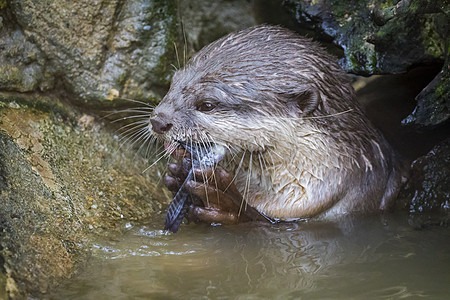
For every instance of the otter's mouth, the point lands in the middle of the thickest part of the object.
(204, 155)
(170, 147)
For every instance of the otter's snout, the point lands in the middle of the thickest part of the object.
(160, 124)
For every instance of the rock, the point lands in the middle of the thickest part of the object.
(388, 37)
(97, 50)
(428, 188)
(379, 36)
(61, 185)
(205, 21)
(22, 64)
(433, 103)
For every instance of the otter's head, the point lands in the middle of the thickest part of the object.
(244, 89)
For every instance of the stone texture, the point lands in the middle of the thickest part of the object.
(433, 103)
(103, 50)
(380, 37)
(96, 50)
(428, 188)
(22, 65)
(63, 181)
(206, 21)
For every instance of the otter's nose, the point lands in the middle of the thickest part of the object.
(160, 126)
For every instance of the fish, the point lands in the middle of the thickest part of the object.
(202, 156)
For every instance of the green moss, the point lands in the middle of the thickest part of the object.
(3, 3)
(432, 42)
(415, 5)
(440, 90)
(167, 12)
(362, 58)
(3, 294)
(35, 102)
(388, 3)
(443, 88)
(122, 78)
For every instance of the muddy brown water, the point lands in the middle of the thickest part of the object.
(376, 257)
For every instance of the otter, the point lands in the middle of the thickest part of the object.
(298, 144)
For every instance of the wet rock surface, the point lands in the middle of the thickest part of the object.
(388, 37)
(433, 102)
(61, 184)
(96, 50)
(428, 188)
(379, 36)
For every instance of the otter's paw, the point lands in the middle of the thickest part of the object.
(211, 215)
(176, 174)
(222, 202)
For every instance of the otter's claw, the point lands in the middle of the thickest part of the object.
(222, 202)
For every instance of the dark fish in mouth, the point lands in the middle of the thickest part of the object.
(202, 156)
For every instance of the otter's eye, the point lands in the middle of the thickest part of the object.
(206, 106)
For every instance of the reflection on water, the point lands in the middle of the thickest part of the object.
(377, 257)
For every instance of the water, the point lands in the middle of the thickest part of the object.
(377, 257)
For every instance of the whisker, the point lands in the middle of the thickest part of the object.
(142, 135)
(133, 125)
(136, 101)
(237, 170)
(205, 180)
(161, 155)
(144, 141)
(130, 117)
(210, 143)
(152, 142)
(176, 54)
(247, 185)
(192, 154)
(185, 44)
(133, 138)
(141, 110)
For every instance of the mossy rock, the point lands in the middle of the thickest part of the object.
(64, 181)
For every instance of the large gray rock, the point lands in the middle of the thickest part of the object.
(96, 50)
(379, 36)
(64, 180)
(22, 65)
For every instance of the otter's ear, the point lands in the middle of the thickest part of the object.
(306, 101)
